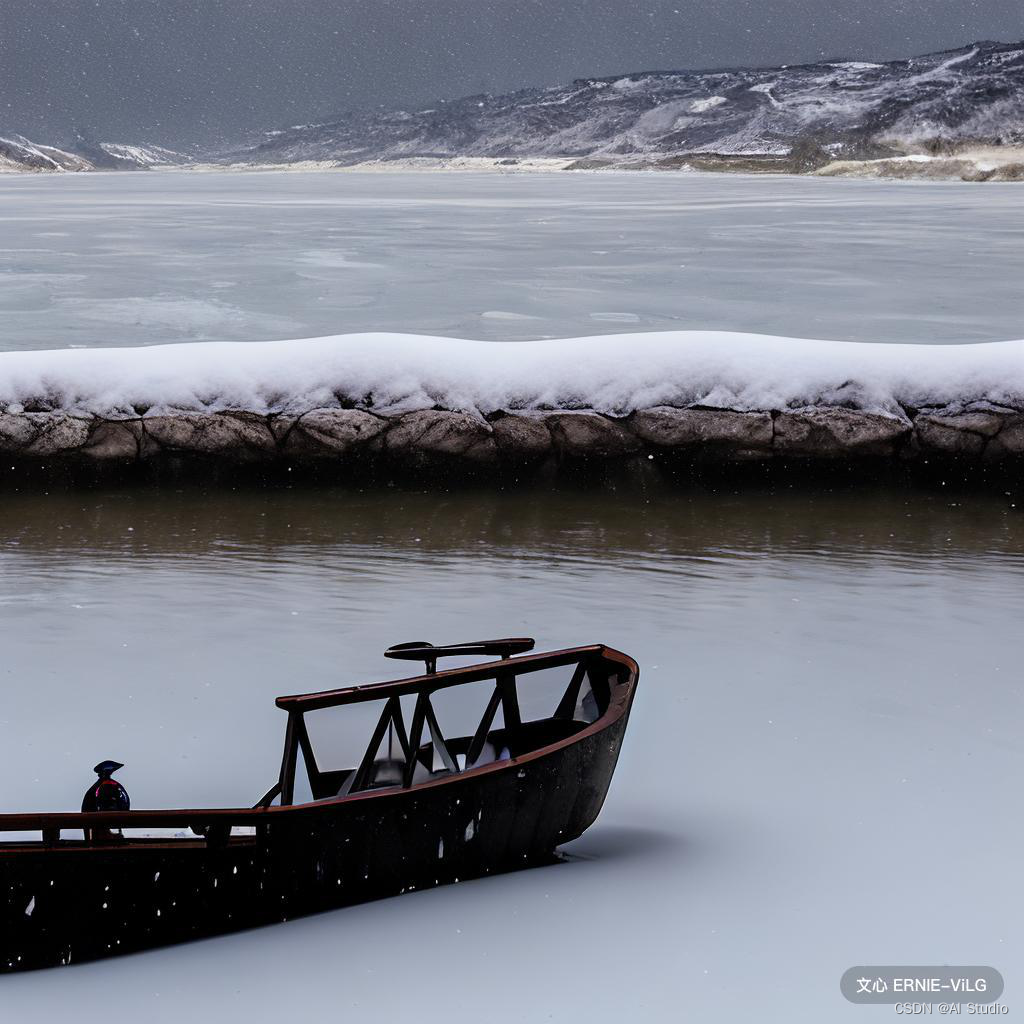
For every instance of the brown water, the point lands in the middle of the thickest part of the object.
(822, 768)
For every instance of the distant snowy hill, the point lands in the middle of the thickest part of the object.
(120, 156)
(959, 113)
(20, 154)
(793, 117)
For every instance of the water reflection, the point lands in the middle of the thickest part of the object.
(157, 627)
(265, 528)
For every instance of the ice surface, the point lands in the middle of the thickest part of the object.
(610, 373)
(116, 259)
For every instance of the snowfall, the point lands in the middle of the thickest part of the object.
(824, 754)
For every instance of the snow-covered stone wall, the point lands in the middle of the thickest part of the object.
(405, 398)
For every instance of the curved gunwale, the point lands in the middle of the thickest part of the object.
(617, 707)
(437, 680)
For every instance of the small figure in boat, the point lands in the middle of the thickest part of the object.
(106, 794)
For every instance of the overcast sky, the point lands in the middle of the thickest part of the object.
(214, 70)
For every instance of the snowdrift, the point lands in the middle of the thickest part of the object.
(615, 375)
(388, 405)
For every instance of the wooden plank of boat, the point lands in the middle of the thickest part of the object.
(419, 808)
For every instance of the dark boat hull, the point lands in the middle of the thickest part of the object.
(73, 902)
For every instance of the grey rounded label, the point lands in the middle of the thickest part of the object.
(875, 984)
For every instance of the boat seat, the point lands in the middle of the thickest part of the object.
(501, 744)
(489, 753)
(533, 735)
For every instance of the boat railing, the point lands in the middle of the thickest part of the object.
(209, 826)
(596, 671)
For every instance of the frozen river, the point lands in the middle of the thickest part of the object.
(824, 760)
(821, 770)
(127, 259)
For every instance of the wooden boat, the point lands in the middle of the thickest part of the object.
(421, 807)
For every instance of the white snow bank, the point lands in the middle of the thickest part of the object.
(611, 374)
(976, 163)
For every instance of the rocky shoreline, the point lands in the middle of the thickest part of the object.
(538, 441)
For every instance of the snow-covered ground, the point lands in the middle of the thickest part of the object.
(404, 165)
(971, 163)
(822, 767)
(138, 259)
(612, 374)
